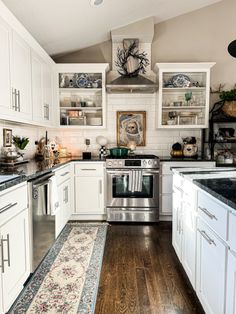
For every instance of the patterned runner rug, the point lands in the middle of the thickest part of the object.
(67, 279)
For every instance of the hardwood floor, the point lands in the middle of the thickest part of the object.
(141, 273)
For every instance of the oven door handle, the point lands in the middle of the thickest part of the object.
(114, 172)
(122, 171)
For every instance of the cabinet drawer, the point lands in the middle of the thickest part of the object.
(89, 169)
(63, 174)
(13, 201)
(214, 213)
(166, 166)
(232, 230)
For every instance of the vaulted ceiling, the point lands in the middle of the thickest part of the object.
(67, 25)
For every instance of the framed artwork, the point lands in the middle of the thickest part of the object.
(7, 137)
(131, 126)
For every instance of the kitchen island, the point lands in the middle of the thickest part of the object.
(203, 233)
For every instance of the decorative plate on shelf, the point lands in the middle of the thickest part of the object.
(180, 80)
(82, 80)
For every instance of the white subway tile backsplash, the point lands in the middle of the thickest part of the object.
(158, 141)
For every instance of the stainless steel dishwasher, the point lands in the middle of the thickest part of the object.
(42, 220)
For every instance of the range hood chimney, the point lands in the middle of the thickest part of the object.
(141, 33)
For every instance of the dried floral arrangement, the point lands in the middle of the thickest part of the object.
(123, 56)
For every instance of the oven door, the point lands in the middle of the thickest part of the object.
(118, 194)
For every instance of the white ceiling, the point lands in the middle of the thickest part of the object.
(67, 25)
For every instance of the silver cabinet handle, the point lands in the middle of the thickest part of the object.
(3, 260)
(65, 173)
(88, 169)
(8, 206)
(13, 99)
(45, 111)
(205, 211)
(206, 237)
(100, 186)
(66, 194)
(18, 100)
(16, 105)
(48, 112)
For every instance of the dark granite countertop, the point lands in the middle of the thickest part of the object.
(169, 158)
(224, 189)
(34, 169)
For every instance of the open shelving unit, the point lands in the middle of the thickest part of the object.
(176, 82)
(81, 95)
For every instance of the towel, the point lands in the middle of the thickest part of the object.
(135, 181)
(53, 205)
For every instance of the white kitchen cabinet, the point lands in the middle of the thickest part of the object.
(14, 234)
(166, 178)
(21, 77)
(65, 194)
(231, 284)
(183, 95)
(42, 90)
(211, 269)
(177, 222)
(89, 189)
(5, 86)
(81, 95)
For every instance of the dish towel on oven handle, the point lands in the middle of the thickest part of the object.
(135, 181)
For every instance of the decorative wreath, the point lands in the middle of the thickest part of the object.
(122, 59)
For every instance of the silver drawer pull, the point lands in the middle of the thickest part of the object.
(88, 169)
(205, 211)
(3, 260)
(3, 209)
(65, 173)
(206, 237)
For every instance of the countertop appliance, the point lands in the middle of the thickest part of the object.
(133, 188)
(42, 219)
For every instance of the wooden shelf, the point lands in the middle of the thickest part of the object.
(80, 108)
(183, 107)
(183, 88)
(75, 89)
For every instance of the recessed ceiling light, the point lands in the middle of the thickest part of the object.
(95, 3)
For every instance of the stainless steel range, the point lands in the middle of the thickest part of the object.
(133, 189)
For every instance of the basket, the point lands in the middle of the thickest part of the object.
(229, 108)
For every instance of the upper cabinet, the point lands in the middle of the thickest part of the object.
(42, 90)
(26, 89)
(81, 95)
(5, 86)
(184, 90)
(21, 77)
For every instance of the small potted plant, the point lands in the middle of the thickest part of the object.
(20, 144)
(229, 99)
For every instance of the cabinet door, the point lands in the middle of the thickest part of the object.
(47, 93)
(21, 76)
(177, 222)
(37, 88)
(5, 86)
(231, 284)
(89, 195)
(15, 240)
(189, 242)
(211, 268)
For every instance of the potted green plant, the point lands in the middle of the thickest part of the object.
(229, 99)
(20, 144)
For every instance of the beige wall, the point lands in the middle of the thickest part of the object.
(202, 35)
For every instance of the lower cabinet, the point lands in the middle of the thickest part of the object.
(63, 215)
(15, 255)
(211, 270)
(177, 221)
(89, 189)
(65, 195)
(231, 284)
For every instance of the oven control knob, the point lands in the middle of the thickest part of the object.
(115, 163)
(144, 162)
(120, 163)
(109, 163)
(149, 162)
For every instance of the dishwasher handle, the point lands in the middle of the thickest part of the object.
(43, 180)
